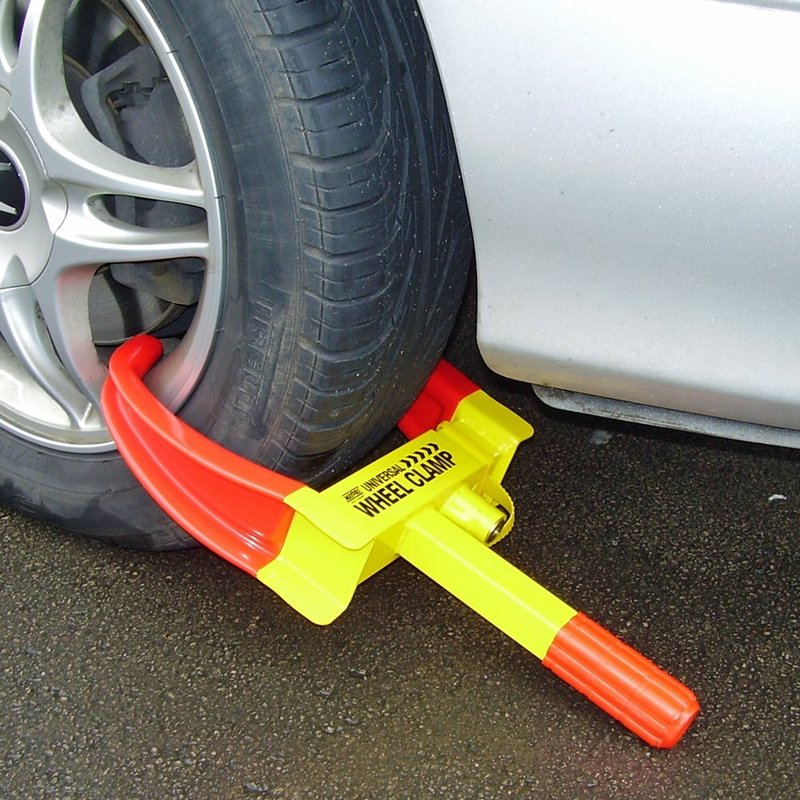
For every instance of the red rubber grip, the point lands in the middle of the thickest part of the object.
(643, 697)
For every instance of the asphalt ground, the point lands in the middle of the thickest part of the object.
(134, 675)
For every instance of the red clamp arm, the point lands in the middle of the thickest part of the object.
(229, 504)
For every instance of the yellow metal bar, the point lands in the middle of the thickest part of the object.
(488, 584)
(481, 421)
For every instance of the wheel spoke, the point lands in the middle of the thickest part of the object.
(8, 47)
(63, 299)
(90, 236)
(38, 79)
(78, 159)
(25, 334)
(74, 157)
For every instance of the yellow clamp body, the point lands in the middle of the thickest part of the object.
(437, 502)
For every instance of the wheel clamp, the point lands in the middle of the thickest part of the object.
(436, 501)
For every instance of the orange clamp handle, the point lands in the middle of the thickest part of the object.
(622, 682)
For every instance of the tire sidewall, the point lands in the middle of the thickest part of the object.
(262, 251)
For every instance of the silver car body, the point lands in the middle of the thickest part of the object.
(633, 174)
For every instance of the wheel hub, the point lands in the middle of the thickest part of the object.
(31, 208)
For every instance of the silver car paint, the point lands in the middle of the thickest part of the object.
(633, 174)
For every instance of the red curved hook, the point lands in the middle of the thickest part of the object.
(229, 504)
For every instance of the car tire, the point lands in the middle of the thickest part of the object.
(336, 245)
